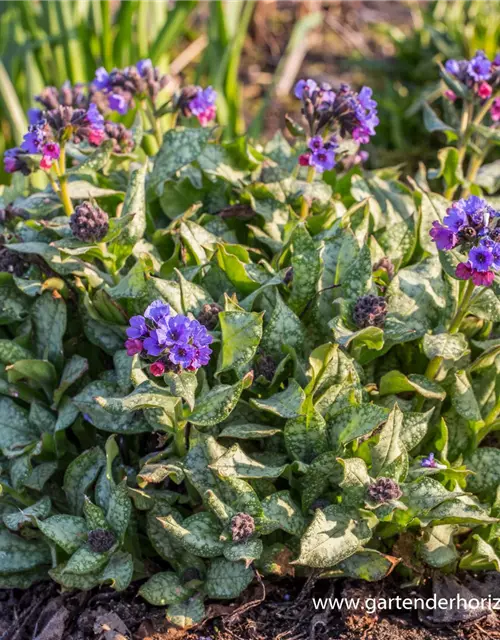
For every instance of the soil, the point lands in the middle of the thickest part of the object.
(285, 611)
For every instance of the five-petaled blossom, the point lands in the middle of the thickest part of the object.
(168, 341)
(472, 227)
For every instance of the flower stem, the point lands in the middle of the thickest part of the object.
(180, 439)
(304, 209)
(155, 123)
(63, 183)
(436, 362)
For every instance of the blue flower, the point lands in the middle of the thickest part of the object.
(322, 160)
(315, 143)
(200, 335)
(479, 68)
(34, 116)
(138, 327)
(143, 66)
(118, 103)
(94, 118)
(481, 258)
(155, 344)
(101, 80)
(157, 310)
(305, 87)
(182, 354)
(429, 462)
(176, 329)
(34, 139)
(452, 67)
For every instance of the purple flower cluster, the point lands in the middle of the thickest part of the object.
(479, 74)
(122, 86)
(321, 155)
(168, 339)
(198, 102)
(38, 141)
(334, 114)
(472, 227)
(55, 127)
(346, 111)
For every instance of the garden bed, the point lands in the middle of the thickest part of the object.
(287, 613)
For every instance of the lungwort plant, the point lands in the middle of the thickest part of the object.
(230, 359)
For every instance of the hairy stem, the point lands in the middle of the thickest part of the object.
(304, 209)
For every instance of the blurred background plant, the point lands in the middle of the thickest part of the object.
(251, 52)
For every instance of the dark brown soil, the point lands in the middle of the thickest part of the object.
(286, 613)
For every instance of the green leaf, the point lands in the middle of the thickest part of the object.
(329, 539)
(306, 437)
(16, 432)
(450, 167)
(463, 398)
(285, 404)
(248, 550)
(432, 122)
(389, 455)
(445, 345)
(485, 463)
(166, 546)
(369, 565)
(283, 328)
(324, 470)
(199, 534)
(481, 557)
(281, 512)
(236, 463)
(193, 297)
(10, 352)
(183, 385)
(19, 554)
(15, 305)
(216, 405)
(249, 431)
(353, 422)
(179, 148)
(73, 370)
(241, 335)
(186, 614)
(16, 519)
(80, 475)
(415, 426)
(437, 548)
(49, 319)
(95, 161)
(68, 532)
(306, 269)
(164, 588)
(41, 372)
(396, 382)
(118, 571)
(119, 510)
(84, 561)
(226, 580)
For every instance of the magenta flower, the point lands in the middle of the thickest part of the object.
(483, 278)
(463, 271)
(133, 347)
(495, 110)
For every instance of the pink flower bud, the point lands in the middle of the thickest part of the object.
(157, 369)
(96, 136)
(482, 278)
(46, 163)
(304, 159)
(450, 95)
(484, 90)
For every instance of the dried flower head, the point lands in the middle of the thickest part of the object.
(89, 223)
(12, 262)
(370, 311)
(101, 540)
(384, 490)
(242, 527)
(208, 315)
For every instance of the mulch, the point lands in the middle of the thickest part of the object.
(280, 610)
